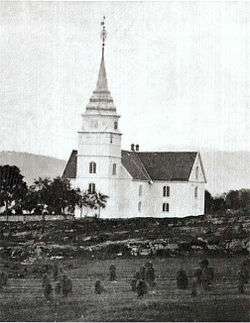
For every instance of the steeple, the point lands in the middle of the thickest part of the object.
(101, 100)
(102, 83)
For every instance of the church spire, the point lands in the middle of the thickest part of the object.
(102, 83)
(101, 100)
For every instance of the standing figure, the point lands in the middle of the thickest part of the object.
(3, 279)
(58, 288)
(194, 284)
(98, 287)
(55, 271)
(150, 274)
(141, 288)
(66, 286)
(204, 275)
(48, 290)
(143, 272)
(112, 273)
(45, 280)
(243, 276)
(182, 279)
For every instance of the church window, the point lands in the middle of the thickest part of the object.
(114, 169)
(197, 172)
(91, 188)
(196, 192)
(92, 168)
(140, 190)
(139, 206)
(166, 191)
(165, 207)
(115, 125)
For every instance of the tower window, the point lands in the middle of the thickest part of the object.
(111, 138)
(139, 206)
(197, 172)
(115, 125)
(140, 190)
(166, 191)
(165, 207)
(92, 188)
(196, 192)
(114, 169)
(92, 168)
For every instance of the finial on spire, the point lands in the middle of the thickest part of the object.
(103, 34)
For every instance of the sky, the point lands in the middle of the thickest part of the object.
(179, 73)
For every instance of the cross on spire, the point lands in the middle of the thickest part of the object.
(103, 34)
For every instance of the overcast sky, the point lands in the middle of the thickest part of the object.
(179, 73)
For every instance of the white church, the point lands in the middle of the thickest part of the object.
(138, 183)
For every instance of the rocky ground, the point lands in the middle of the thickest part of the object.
(91, 238)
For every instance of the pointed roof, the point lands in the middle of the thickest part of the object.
(101, 100)
(102, 83)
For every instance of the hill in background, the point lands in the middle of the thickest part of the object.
(224, 170)
(33, 166)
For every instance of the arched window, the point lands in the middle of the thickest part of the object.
(197, 172)
(115, 125)
(91, 188)
(140, 190)
(114, 169)
(166, 191)
(92, 167)
(165, 207)
(196, 192)
(139, 206)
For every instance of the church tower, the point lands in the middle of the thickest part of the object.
(99, 142)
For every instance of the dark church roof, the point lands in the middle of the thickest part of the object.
(167, 166)
(70, 168)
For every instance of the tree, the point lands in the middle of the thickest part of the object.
(62, 197)
(219, 204)
(52, 197)
(96, 201)
(232, 200)
(209, 201)
(12, 188)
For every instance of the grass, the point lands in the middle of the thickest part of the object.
(23, 299)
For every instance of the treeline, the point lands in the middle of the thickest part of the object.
(234, 202)
(45, 196)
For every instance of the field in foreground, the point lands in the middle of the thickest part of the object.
(23, 299)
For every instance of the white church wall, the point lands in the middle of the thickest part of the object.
(182, 201)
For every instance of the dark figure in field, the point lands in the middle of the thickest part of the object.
(66, 286)
(194, 284)
(55, 271)
(141, 288)
(143, 273)
(134, 281)
(243, 276)
(204, 275)
(150, 274)
(112, 273)
(3, 279)
(48, 291)
(98, 287)
(182, 279)
(58, 288)
(133, 285)
(45, 280)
